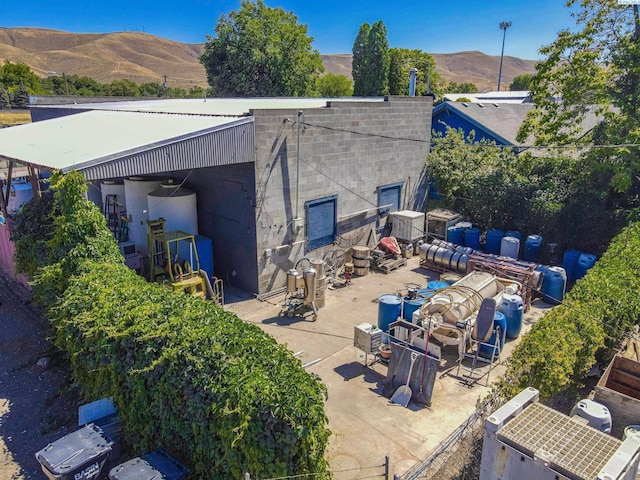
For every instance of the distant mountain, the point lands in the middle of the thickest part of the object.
(463, 67)
(146, 58)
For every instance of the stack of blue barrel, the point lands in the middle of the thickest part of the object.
(577, 263)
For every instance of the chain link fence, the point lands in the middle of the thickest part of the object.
(458, 456)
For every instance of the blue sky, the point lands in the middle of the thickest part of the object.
(435, 27)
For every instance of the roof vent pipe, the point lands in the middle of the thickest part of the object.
(412, 81)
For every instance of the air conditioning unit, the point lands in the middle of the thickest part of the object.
(439, 221)
(525, 440)
(367, 337)
(407, 225)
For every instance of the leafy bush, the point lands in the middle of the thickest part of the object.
(552, 196)
(191, 377)
(596, 314)
(33, 228)
(218, 393)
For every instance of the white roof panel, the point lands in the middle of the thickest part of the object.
(88, 138)
(213, 106)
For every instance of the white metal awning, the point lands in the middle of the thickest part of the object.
(107, 144)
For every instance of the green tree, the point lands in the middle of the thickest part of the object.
(5, 101)
(331, 85)
(20, 97)
(592, 69)
(370, 64)
(359, 63)
(122, 88)
(196, 92)
(260, 51)
(396, 73)
(12, 75)
(403, 59)
(151, 89)
(377, 78)
(465, 87)
(521, 82)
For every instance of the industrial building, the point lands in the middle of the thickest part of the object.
(264, 182)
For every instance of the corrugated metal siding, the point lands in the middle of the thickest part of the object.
(230, 145)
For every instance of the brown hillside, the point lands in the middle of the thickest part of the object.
(105, 57)
(146, 58)
(462, 67)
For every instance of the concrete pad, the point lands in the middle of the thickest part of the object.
(365, 425)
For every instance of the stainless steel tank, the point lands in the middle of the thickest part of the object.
(309, 276)
(292, 280)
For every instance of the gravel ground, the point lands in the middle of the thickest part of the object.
(38, 401)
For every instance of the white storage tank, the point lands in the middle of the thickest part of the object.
(136, 191)
(113, 187)
(21, 192)
(177, 205)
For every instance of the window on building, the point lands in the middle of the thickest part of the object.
(389, 198)
(322, 221)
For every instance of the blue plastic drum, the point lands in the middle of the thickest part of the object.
(554, 284)
(584, 263)
(389, 310)
(569, 260)
(532, 248)
(437, 285)
(486, 350)
(472, 238)
(455, 235)
(493, 239)
(512, 307)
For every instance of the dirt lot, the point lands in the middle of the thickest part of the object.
(38, 402)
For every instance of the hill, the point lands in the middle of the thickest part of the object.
(146, 58)
(462, 67)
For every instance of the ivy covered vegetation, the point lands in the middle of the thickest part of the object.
(593, 319)
(219, 394)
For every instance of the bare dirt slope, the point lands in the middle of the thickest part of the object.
(38, 401)
(146, 58)
(135, 56)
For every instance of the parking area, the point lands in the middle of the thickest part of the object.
(365, 425)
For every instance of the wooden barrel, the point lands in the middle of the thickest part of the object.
(361, 263)
(360, 271)
(359, 252)
(348, 267)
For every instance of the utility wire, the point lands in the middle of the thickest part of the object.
(473, 145)
(338, 183)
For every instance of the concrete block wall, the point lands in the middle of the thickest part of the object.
(347, 149)
(226, 215)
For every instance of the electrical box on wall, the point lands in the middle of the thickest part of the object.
(296, 225)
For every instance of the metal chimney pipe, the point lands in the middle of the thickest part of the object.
(412, 81)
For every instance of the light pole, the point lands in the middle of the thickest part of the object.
(503, 27)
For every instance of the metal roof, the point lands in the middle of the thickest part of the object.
(501, 120)
(106, 144)
(210, 106)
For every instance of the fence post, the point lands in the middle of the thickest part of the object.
(386, 467)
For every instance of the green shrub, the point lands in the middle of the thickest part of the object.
(595, 316)
(216, 392)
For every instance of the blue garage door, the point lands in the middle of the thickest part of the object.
(389, 195)
(322, 226)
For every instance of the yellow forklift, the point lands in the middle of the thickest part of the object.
(174, 263)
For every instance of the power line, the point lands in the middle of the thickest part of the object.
(474, 145)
